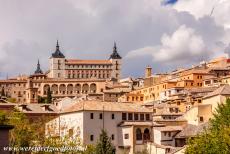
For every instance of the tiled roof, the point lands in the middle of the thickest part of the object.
(169, 128)
(117, 90)
(106, 106)
(223, 90)
(37, 108)
(78, 61)
(139, 123)
(13, 81)
(202, 89)
(191, 130)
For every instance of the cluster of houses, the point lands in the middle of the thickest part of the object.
(157, 113)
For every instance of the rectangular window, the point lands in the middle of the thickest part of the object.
(136, 116)
(142, 117)
(201, 119)
(124, 116)
(112, 137)
(70, 132)
(91, 115)
(130, 116)
(113, 117)
(100, 116)
(91, 137)
(147, 117)
(126, 136)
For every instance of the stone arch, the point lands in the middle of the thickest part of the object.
(93, 88)
(70, 89)
(85, 88)
(138, 134)
(77, 88)
(62, 88)
(54, 89)
(146, 134)
(45, 89)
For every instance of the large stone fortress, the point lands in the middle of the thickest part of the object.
(60, 67)
(65, 78)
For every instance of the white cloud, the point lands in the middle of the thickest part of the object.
(183, 46)
(218, 9)
(87, 29)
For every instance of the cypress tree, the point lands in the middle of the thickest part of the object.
(49, 96)
(104, 145)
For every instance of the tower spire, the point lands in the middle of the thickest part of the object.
(57, 46)
(38, 70)
(115, 54)
(58, 53)
(114, 47)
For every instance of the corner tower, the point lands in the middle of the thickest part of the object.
(115, 59)
(38, 70)
(57, 64)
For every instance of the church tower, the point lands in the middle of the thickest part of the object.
(115, 59)
(57, 64)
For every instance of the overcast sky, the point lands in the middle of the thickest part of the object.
(163, 34)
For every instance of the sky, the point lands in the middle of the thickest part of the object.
(165, 35)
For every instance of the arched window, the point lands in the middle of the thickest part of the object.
(146, 134)
(138, 134)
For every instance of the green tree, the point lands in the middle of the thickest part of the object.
(49, 96)
(41, 99)
(22, 135)
(3, 118)
(90, 149)
(104, 145)
(215, 139)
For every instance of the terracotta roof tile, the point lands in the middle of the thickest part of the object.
(223, 90)
(191, 130)
(106, 106)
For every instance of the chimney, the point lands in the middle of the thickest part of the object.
(45, 107)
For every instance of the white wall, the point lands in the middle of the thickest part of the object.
(157, 136)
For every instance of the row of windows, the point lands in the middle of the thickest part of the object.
(88, 66)
(13, 85)
(88, 75)
(199, 77)
(135, 116)
(131, 116)
(133, 98)
(101, 116)
(88, 71)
